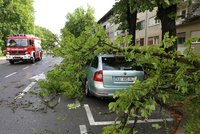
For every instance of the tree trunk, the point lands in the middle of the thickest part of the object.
(131, 20)
(168, 22)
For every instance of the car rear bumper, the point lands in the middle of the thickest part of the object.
(100, 91)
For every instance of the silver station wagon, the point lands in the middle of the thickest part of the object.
(109, 73)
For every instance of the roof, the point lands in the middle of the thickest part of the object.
(106, 16)
(23, 36)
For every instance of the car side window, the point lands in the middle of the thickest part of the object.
(94, 62)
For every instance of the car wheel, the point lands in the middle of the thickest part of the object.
(87, 91)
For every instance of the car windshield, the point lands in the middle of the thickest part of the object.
(119, 63)
(16, 42)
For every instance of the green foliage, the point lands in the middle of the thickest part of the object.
(156, 126)
(74, 105)
(120, 8)
(78, 20)
(2, 47)
(115, 129)
(173, 79)
(193, 117)
(17, 16)
(79, 43)
(49, 39)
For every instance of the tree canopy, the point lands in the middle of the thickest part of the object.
(80, 41)
(17, 16)
(166, 12)
(77, 21)
(173, 78)
(49, 39)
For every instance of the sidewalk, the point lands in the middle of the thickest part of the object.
(2, 58)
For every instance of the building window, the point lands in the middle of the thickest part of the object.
(153, 21)
(180, 38)
(142, 41)
(150, 41)
(153, 40)
(156, 40)
(141, 25)
(108, 25)
(183, 14)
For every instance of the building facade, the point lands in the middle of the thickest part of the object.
(149, 27)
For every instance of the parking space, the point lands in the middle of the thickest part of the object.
(98, 116)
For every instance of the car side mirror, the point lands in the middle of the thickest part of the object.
(31, 42)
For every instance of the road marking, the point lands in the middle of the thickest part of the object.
(93, 123)
(39, 77)
(83, 129)
(89, 114)
(10, 75)
(25, 90)
(26, 67)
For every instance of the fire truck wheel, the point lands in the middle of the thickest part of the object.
(33, 59)
(11, 61)
(40, 58)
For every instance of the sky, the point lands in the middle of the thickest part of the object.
(51, 14)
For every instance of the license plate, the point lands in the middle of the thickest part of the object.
(124, 79)
(17, 58)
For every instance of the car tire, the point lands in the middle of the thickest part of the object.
(87, 91)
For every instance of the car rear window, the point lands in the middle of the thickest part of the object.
(119, 63)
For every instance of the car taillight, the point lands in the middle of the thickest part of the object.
(145, 75)
(98, 76)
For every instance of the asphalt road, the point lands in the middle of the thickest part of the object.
(23, 112)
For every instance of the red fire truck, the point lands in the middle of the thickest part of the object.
(23, 47)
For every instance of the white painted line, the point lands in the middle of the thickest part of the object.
(26, 67)
(29, 87)
(93, 123)
(89, 114)
(39, 77)
(59, 100)
(83, 129)
(10, 75)
(25, 90)
(130, 122)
